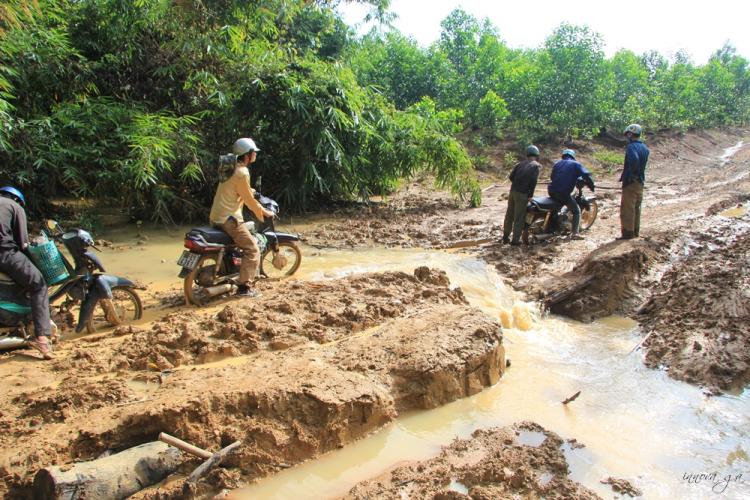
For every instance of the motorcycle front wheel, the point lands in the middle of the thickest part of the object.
(124, 307)
(201, 277)
(589, 216)
(282, 264)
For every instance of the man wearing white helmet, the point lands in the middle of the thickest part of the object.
(226, 212)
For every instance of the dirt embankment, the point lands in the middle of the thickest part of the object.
(494, 464)
(309, 369)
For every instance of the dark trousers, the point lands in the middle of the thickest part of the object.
(16, 265)
(567, 200)
(514, 217)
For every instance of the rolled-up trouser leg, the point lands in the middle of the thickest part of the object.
(630, 209)
(568, 201)
(520, 201)
(24, 272)
(250, 252)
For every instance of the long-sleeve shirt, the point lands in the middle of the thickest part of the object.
(231, 195)
(524, 177)
(564, 175)
(13, 232)
(636, 157)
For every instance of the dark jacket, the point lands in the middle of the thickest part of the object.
(13, 235)
(524, 177)
(564, 175)
(636, 157)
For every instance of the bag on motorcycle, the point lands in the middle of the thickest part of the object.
(227, 164)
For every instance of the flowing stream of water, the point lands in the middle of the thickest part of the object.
(636, 423)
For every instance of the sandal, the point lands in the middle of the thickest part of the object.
(44, 347)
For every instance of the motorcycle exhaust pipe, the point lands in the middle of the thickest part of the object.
(215, 291)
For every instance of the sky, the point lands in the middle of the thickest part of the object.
(700, 28)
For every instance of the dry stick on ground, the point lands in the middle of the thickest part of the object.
(186, 447)
(572, 398)
(212, 462)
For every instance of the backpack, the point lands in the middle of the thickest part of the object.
(227, 164)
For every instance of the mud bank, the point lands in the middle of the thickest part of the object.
(309, 369)
(499, 463)
(698, 319)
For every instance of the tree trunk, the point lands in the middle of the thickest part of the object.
(112, 478)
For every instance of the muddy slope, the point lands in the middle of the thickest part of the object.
(291, 378)
(491, 465)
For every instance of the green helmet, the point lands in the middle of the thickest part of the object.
(532, 151)
(634, 129)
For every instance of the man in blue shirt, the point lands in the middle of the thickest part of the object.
(633, 180)
(564, 175)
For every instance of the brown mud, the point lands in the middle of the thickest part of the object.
(311, 368)
(494, 464)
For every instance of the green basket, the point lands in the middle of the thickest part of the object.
(48, 260)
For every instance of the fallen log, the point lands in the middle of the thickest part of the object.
(567, 292)
(115, 477)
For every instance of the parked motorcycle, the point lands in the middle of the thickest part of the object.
(211, 263)
(544, 217)
(105, 300)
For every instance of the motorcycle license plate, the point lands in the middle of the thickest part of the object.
(189, 259)
(529, 218)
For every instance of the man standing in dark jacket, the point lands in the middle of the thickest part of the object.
(633, 181)
(523, 178)
(564, 175)
(13, 262)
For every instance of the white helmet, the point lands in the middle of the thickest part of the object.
(244, 145)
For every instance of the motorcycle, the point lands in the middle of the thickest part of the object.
(211, 263)
(85, 283)
(544, 218)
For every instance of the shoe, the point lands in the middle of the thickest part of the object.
(515, 243)
(247, 292)
(506, 240)
(44, 347)
(577, 236)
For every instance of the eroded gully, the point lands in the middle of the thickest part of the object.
(635, 423)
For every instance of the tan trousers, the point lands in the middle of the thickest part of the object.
(514, 217)
(250, 252)
(630, 209)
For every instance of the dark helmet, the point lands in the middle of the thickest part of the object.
(532, 151)
(14, 194)
(569, 152)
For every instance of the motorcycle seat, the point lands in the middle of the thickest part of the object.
(547, 204)
(212, 235)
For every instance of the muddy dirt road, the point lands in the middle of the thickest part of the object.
(315, 365)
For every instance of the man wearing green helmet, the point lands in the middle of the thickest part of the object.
(523, 179)
(633, 180)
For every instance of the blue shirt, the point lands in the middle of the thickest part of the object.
(564, 175)
(636, 157)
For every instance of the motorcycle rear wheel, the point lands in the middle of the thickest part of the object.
(290, 258)
(528, 233)
(125, 304)
(200, 278)
(589, 216)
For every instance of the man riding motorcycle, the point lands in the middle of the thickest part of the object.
(564, 175)
(226, 212)
(14, 241)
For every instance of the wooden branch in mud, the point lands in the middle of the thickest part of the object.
(567, 292)
(186, 447)
(115, 477)
(212, 462)
(572, 398)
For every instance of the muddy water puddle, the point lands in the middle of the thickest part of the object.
(635, 423)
